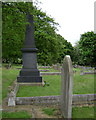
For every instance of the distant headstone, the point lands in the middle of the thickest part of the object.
(58, 67)
(55, 67)
(87, 70)
(66, 90)
(81, 72)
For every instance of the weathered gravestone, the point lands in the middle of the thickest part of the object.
(11, 100)
(67, 84)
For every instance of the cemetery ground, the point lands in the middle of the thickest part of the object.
(82, 85)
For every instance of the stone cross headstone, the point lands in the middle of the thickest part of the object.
(66, 89)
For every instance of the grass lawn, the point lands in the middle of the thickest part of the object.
(83, 112)
(77, 112)
(0, 115)
(0, 85)
(8, 76)
(82, 84)
(49, 111)
(52, 89)
(20, 114)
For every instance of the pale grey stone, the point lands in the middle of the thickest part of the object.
(67, 84)
(77, 99)
(11, 100)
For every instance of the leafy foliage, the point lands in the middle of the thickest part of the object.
(86, 49)
(13, 31)
(87, 46)
(51, 47)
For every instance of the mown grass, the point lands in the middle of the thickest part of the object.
(81, 84)
(52, 89)
(20, 114)
(49, 111)
(0, 114)
(77, 112)
(83, 112)
(8, 77)
(0, 85)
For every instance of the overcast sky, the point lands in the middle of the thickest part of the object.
(74, 16)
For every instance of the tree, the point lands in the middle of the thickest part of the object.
(45, 37)
(51, 47)
(13, 30)
(64, 48)
(87, 47)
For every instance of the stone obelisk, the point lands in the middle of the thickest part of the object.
(29, 72)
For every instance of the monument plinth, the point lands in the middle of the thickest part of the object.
(29, 72)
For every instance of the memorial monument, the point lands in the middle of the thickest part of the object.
(29, 72)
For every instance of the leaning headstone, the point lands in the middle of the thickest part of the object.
(67, 84)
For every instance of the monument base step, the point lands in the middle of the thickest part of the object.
(29, 79)
(32, 84)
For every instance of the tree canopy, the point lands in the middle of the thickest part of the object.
(86, 49)
(52, 47)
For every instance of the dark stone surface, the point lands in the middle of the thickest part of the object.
(29, 72)
(30, 60)
(29, 79)
(29, 35)
(29, 50)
